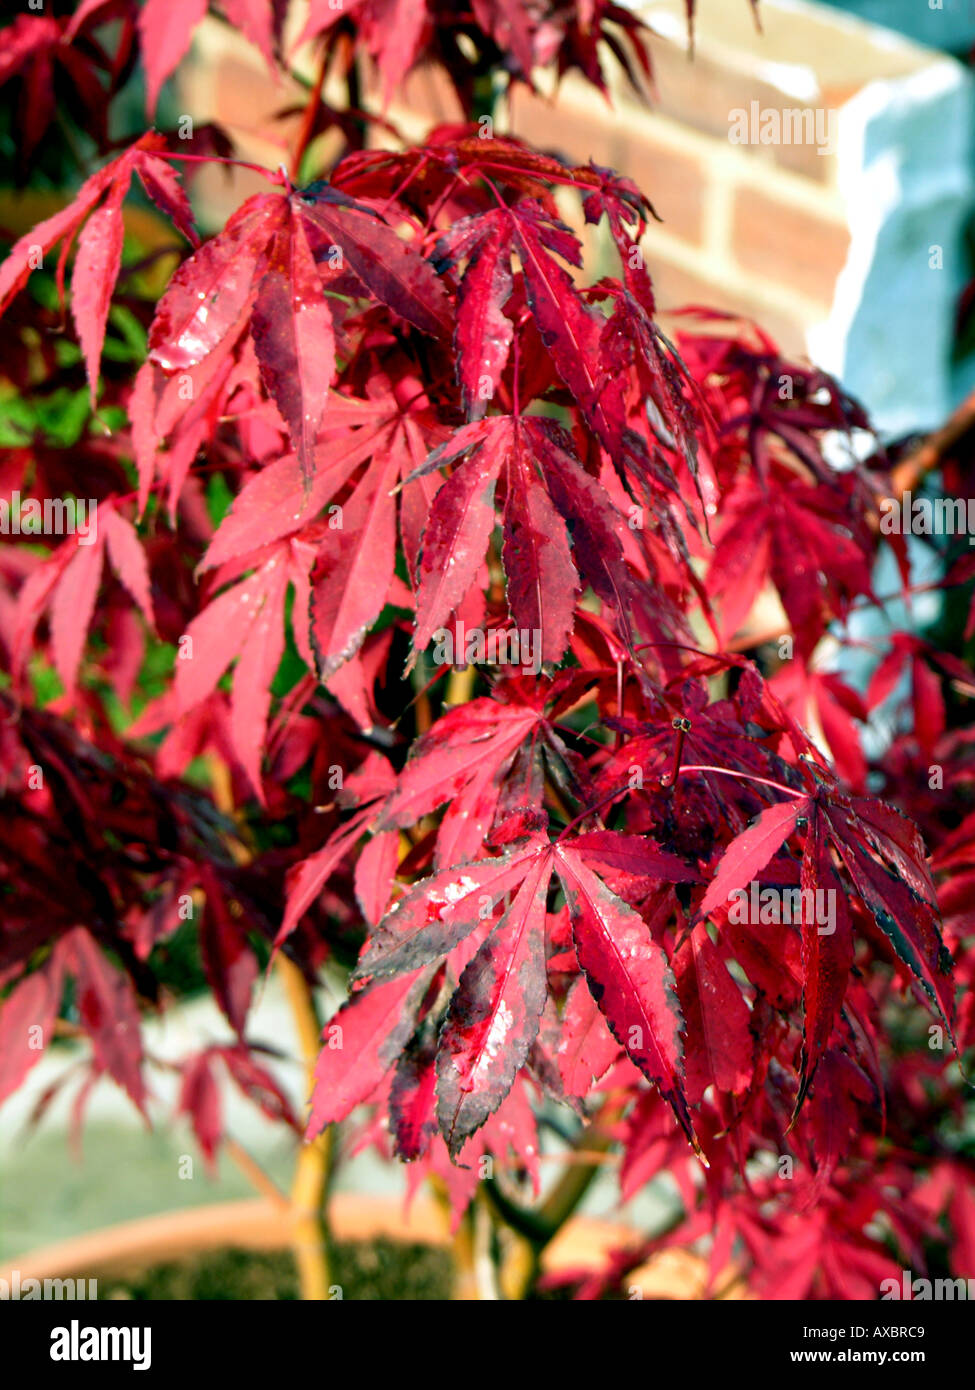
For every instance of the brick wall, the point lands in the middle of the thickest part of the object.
(799, 239)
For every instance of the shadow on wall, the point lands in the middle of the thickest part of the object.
(905, 172)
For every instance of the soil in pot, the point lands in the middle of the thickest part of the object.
(374, 1271)
(379, 1270)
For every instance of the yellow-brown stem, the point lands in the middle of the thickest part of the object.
(485, 1271)
(255, 1174)
(943, 444)
(462, 1247)
(465, 1269)
(424, 714)
(460, 686)
(310, 1238)
(519, 1266)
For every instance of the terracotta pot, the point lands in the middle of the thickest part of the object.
(259, 1224)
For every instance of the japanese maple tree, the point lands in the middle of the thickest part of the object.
(386, 410)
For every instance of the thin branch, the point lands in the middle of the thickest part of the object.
(255, 1174)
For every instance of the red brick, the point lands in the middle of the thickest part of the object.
(426, 94)
(702, 93)
(782, 242)
(677, 288)
(574, 132)
(246, 98)
(673, 181)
